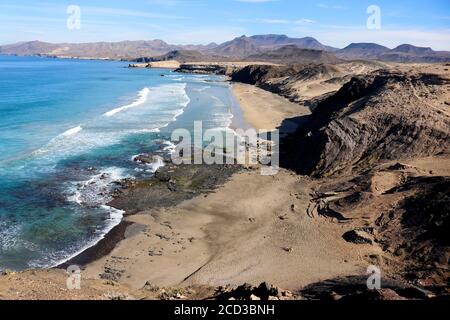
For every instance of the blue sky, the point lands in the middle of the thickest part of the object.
(333, 22)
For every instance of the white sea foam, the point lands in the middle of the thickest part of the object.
(162, 107)
(95, 191)
(152, 167)
(177, 114)
(148, 130)
(223, 119)
(158, 162)
(115, 217)
(170, 147)
(72, 131)
(142, 98)
(92, 193)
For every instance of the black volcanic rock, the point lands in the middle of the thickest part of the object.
(202, 69)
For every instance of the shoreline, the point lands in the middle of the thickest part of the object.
(267, 111)
(183, 243)
(247, 100)
(111, 239)
(223, 225)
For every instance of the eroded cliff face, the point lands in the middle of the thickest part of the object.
(304, 83)
(373, 118)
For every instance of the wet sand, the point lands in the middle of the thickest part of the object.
(266, 111)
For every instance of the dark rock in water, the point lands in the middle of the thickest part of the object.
(147, 158)
(358, 237)
(188, 181)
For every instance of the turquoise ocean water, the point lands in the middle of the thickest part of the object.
(68, 130)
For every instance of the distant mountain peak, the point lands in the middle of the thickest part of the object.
(365, 45)
(409, 48)
(244, 46)
(402, 53)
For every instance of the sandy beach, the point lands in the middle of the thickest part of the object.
(266, 111)
(251, 229)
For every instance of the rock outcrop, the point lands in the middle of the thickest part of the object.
(203, 69)
(303, 83)
(374, 118)
(404, 211)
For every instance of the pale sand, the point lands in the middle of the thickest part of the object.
(234, 236)
(266, 111)
(170, 64)
(253, 229)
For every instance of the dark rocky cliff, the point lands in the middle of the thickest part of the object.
(377, 117)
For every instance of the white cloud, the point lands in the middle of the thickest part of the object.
(305, 21)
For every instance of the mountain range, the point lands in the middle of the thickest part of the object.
(402, 53)
(254, 47)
